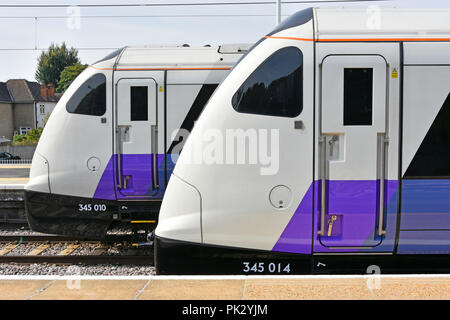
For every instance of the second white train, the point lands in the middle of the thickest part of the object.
(110, 145)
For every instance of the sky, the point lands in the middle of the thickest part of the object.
(24, 32)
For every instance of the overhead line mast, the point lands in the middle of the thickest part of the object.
(278, 12)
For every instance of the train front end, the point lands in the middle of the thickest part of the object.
(71, 157)
(232, 192)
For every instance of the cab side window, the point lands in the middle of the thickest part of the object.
(275, 88)
(90, 98)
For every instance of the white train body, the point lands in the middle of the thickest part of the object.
(344, 157)
(110, 145)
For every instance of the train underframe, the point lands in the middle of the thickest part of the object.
(173, 257)
(88, 218)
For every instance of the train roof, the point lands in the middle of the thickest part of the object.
(368, 24)
(382, 23)
(174, 57)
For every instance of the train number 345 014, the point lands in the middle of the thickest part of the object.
(262, 267)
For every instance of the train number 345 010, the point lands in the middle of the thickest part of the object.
(260, 267)
(92, 207)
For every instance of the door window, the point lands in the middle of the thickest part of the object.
(139, 103)
(358, 91)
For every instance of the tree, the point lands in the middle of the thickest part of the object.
(52, 63)
(68, 75)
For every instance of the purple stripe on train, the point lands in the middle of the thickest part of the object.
(355, 207)
(137, 170)
(297, 236)
(425, 220)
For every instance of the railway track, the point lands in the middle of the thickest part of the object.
(80, 259)
(135, 254)
(55, 238)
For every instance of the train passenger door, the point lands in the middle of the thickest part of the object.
(352, 151)
(137, 158)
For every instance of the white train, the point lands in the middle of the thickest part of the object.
(110, 145)
(326, 149)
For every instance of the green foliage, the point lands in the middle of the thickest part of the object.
(52, 63)
(68, 75)
(45, 120)
(32, 138)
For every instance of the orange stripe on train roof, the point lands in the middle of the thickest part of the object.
(289, 38)
(157, 69)
(385, 39)
(362, 39)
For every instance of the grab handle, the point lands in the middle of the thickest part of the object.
(154, 142)
(322, 141)
(123, 132)
(382, 149)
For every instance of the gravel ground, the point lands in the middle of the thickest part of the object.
(115, 250)
(120, 250)
(54, 249)
(23, 249)
(61, 270)
(120, 230)
(56, 270)
(12, 229)
(86, 248)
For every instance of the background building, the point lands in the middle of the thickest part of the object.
(24, 105)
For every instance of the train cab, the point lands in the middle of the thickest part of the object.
(324, 150)
(108, 149)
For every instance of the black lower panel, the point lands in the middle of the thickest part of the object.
(177, 257)
(82, 217)
(184, 258)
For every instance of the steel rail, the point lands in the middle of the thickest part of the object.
(79, 259)
(58, 238)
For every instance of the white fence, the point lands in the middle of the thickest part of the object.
(21, 161)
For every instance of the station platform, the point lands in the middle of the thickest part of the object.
(14, 176)
(226, 288)
(12, 183)
(15, 166)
